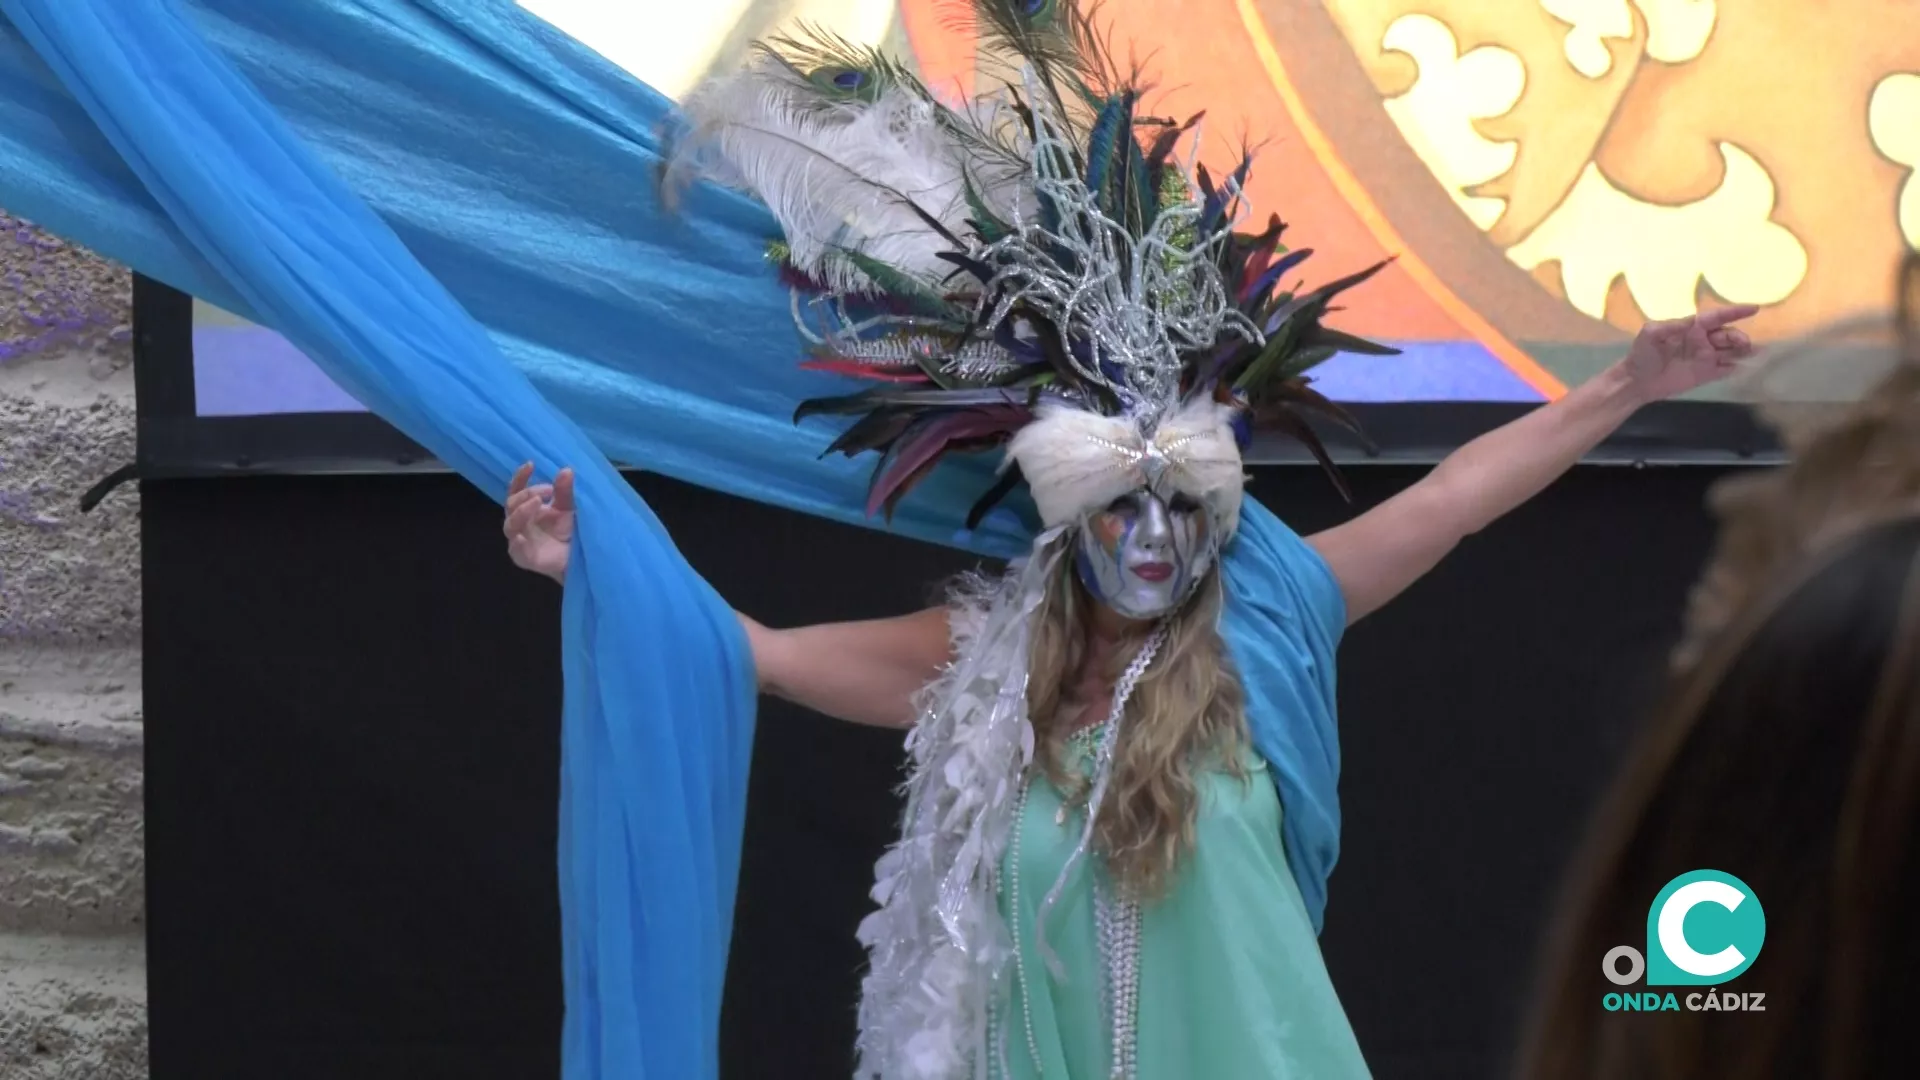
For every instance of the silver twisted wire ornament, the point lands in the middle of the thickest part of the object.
(1137, 304)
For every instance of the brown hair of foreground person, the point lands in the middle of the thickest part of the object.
(1788, 756)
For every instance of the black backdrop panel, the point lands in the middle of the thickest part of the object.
(352, 707)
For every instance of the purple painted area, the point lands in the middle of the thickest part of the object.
(252, 371)
(1424, 371)
(53, 296)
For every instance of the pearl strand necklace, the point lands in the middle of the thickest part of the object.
(1013, 906)
(1117, 923)
(1117, 928)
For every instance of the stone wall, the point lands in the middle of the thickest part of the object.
(72, 955)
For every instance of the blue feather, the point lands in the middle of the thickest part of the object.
(1101, 141)
(1285, 263)
(1216, 206)
(1146, 201)
(1242, 425)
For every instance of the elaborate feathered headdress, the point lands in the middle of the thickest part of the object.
(1038, 266)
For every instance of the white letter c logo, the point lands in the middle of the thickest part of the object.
(1673, 938)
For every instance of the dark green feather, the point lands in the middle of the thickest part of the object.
(1347, 343)
(900, 286)
(984, 220)
(1303, 360)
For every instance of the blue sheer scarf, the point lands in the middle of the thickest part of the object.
(363, 174)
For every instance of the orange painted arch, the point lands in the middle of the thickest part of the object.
(1226, 63)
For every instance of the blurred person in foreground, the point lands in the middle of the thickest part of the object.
(1787, 754)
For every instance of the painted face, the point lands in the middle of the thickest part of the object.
(1143, 555)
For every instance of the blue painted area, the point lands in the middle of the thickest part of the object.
(1424, 371)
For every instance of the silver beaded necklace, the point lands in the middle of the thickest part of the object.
(1116, 920)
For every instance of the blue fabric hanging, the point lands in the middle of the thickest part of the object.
(352, 173)
(660, 691)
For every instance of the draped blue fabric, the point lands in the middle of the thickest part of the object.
(453, 208)
(659, 703)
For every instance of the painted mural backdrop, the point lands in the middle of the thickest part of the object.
(1551, 173)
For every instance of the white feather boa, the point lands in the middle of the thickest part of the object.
(840, 176)
(938, 947)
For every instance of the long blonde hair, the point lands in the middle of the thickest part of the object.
(1186, 715)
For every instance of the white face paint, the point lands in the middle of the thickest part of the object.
(1143, 556)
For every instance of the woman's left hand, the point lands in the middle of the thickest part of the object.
(1672, 357)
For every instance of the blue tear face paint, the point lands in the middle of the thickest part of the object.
(1143, 555)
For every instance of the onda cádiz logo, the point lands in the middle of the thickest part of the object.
(1704, 929)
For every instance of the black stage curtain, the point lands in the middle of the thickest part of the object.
(352, 707)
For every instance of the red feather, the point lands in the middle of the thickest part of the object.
(916, 452)
(863, 369)
(793, 277)
(1260, 257)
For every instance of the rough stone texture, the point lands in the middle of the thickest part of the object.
(72, 965)
(57, 299)
(70, 790)
(72, 1008)
(66, 420)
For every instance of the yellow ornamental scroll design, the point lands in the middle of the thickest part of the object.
(1438, 112)
(1893, 121)
(1579, 226)
(1676, 30)
(1601, 235)
(1664, 153)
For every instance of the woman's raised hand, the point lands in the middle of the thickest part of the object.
(539, 523)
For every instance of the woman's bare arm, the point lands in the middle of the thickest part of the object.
(1382, 552)
(861, 672)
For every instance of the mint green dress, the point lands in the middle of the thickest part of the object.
(1231, 982)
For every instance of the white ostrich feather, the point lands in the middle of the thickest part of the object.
(840, 175)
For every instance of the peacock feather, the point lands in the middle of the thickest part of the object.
(946, 254)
